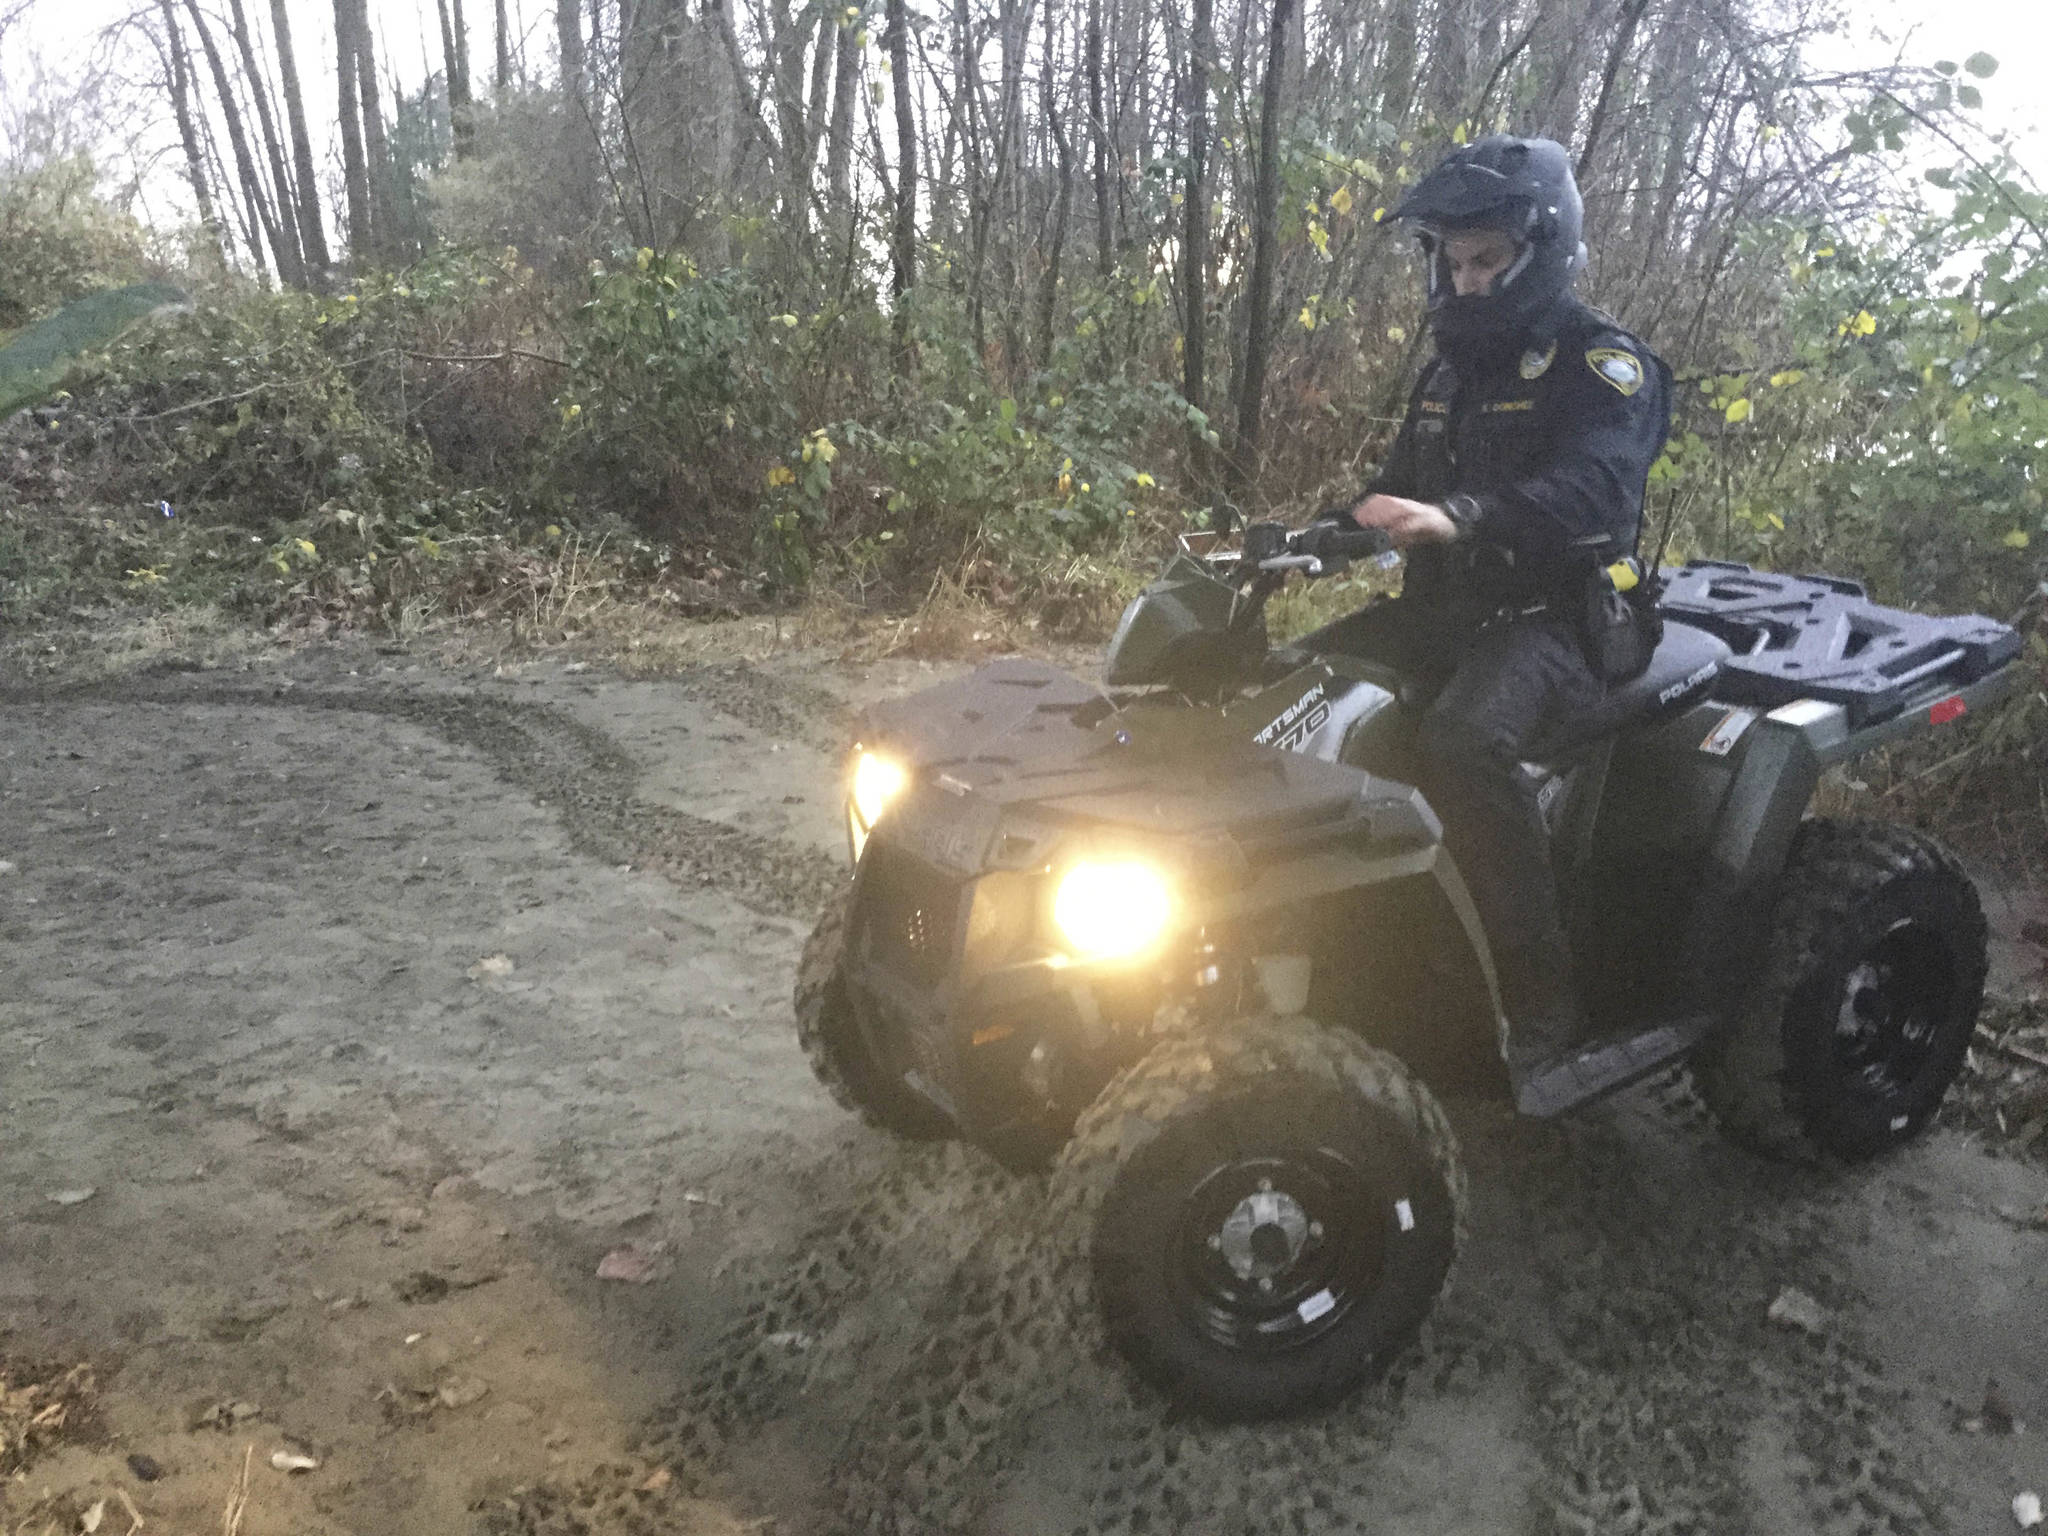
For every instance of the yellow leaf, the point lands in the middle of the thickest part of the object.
(788, 322)
(781, 474)
(1146, 482)
(1788, 376)
(1066, 464)
(1340, 200)
(1379, 215)
(1397, 334)
(2017, 539)
(646, 256)
(1461, 134)
(1738, 410)
(1308, 317)
(1085, 487)
(554, 530)
(1064, 485)
(1777, 522)
(1056, 401)
(1826, 250)
(1319, 237)
(1865, 323)
(306, 548)
(827, 449)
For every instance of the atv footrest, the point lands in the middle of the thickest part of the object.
(1601, 1068)
(1815, 637)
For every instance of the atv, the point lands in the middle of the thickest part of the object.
(1191, 938)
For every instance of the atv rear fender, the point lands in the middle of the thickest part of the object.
(1708, 804)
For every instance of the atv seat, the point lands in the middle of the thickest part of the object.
(1684, 667)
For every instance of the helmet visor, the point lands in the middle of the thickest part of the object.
(1465, 194)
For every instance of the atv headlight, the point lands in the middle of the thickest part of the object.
(1107, 910)
(877, 780)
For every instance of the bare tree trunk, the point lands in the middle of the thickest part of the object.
(312, 231)
(501, 73)
(1098, 138)
(188, 133)
(1244, 461)
(376, 143)
(1631, 18)
(903, 236)
(455, 53)
(1195, 241)
(839, 151)
(260, 214)
(354, 161)
(294, 270)
(1049, 279)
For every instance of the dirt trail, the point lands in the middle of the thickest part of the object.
(351, 1187)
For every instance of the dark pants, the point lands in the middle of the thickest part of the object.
(1499, 689)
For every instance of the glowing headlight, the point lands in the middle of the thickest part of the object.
(876, 782)
(1106, 910)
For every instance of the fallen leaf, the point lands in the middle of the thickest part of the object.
(789, 1339)
(633, 1264)
(1793, 1308)
(90, 1520)
(491, 965)
(656, 1480)
(145, 1467)
(292, 1461)
(70, 1196)
(2026, 1510)
(6, 867)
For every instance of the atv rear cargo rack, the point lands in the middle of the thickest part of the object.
(1818, 637)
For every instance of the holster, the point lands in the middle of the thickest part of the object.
(1620, 629)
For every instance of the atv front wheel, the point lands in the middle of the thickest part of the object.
(829, 1029)
(1271, 1209)
(1872, 983)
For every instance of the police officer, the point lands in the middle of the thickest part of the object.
(1516, 479)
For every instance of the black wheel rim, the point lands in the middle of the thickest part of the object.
(1276, 1251)
(1889, 1011)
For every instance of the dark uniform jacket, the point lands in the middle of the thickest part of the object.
(1552, 447)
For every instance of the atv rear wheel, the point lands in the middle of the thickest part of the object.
(829, 1029)
(1271, 1209)
(1872, 983)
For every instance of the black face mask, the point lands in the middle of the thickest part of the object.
(1472, 333)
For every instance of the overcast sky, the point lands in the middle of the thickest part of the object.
(64, 35)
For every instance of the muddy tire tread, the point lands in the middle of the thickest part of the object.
(1834, 868)
(1186, 1071)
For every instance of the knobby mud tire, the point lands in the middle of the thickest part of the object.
(1773, 1077)
(1121, 1196)
(834, 1044)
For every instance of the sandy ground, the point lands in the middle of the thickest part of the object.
(377, 1003)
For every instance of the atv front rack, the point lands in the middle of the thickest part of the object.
(1818, 637)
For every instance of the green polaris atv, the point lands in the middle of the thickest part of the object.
(1191, 938)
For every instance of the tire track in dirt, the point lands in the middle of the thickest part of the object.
(572, 768)
(1607, 1334)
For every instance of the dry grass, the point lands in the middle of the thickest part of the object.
(38, 1409)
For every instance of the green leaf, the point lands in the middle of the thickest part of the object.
(2017, 539)
(1007, 409)
(1941, 176)
(1944, 66)
(1982, 65)
(1970, 97)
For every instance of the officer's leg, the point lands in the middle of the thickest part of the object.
(1516, 682)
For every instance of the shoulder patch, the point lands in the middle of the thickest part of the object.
(1618, 367)
(1535, 364)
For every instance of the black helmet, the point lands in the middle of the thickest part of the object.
(1522, 187)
